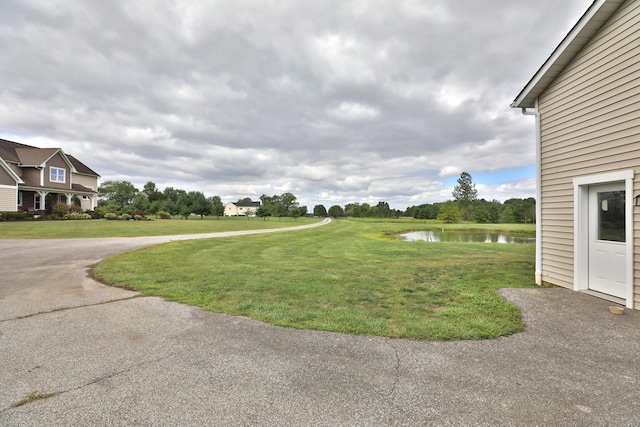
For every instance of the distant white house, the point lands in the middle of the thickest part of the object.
(241, 208)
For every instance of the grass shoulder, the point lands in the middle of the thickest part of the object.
(342, 277)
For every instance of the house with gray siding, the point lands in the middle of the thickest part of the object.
(586, 102)
(35, 179)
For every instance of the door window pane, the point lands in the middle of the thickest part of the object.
(611, 216)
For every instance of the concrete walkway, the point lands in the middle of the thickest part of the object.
(116, 359)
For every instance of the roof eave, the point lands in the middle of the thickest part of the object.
(589, 24)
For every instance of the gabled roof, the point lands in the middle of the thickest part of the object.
(26, 155)
(81, 167)
(589, 24)
(247, 204)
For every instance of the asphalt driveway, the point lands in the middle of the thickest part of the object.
(114, 358)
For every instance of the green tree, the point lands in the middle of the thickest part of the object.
(279, 205)
(336, 211)
(297, 212)
(383, 210)
(112, 207)
(267, 204)
(151, 191)
(319, 210)
(170, 202)
(154, 207)
(507, 216)
(279, 210)
(263, 212)
(464, 194)
(529, 210)
(449, 213)
(140, 203)
(200, 205)
(487, 212)
(288, 201)
(120, 192)
(173, 194)
(168, 205)
(184, 205)
(217, 208)
(522, 210)
(425, 211)
(361, 211)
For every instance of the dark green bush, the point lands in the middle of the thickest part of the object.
(59, 210)
(99, 212)
(15, 216)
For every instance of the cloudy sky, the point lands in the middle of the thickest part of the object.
(334, 101)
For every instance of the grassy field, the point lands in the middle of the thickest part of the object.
(350, 276)
(104, 228)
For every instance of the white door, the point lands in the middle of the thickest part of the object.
(607, 237)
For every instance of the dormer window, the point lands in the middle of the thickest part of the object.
(57, 175)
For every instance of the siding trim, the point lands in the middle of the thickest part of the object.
(581, 227)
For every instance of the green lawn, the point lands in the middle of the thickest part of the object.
(102, 228)
(349, 276)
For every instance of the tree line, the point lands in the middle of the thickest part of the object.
(465, 206)
(123, 197)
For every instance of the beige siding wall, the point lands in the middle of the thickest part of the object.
(230, 209)
(8, 199)
(590, 124)
(88, 204)
(87, 181)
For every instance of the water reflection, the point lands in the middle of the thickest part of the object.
(464, 236)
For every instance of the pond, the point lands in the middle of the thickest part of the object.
(464, 236)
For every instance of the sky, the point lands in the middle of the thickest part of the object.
(347, 101)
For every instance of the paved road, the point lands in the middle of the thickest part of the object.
(117, 360)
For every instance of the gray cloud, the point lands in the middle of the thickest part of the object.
(336, 101)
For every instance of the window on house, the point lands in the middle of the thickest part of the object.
(56, 174)
(36, 203)
(19, 198)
